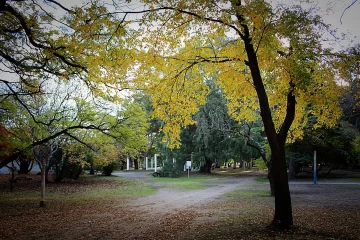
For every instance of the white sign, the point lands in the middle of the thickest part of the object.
(188, 164)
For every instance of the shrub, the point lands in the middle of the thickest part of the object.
(65, 169)
(170, 170)
(108, 169)
(260, 164)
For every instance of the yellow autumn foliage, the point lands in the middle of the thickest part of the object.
(193, 42)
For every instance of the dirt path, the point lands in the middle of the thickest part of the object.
(170, 213)
(167, 200)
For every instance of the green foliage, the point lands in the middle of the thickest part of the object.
(170, 170)
(108, 169)
(216, 137)
(260, 164)
(64, 167)
(336, 147)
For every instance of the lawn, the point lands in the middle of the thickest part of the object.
(71, 206)
(86, 188)
(194, 182)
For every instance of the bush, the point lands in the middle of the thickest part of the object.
(65, 169)
(169, 170)
(107, 170)
(260, 164)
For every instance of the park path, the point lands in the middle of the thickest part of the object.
(167, 200)
(169, 212)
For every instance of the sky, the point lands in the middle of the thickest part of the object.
(329, 10)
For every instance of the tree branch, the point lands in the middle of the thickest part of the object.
(354, 1)
(30, 36)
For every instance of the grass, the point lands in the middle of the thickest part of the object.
(184, 183)
(87, 188)
(249, 194)
(262, 179)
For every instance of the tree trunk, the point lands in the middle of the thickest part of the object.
(292, 168)
(92, 170)
(43, 170)
(276, 138)
(206, 168)
(272, 187)
(25, 166)
(234, 166)
(47, 175)
(270, 178)
(283, 211)
(136, 163)
(12, 180)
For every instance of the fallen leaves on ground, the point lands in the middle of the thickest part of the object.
(318, 214)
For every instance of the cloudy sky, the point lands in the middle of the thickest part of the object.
(330, 10)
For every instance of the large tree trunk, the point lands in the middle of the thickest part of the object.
(283, 211)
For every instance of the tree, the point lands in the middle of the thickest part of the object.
(79, 44)
(271, 64)
(217, 136)
(335, 147)
(348, 63)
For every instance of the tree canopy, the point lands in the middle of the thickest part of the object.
(269, 61)
(207, 39)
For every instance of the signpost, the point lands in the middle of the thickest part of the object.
(188, 166)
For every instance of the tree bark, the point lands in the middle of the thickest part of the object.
(270, 178)
(25, 165)
(47, 175)
(283, 211)
(43, 170)
(206, 168)
(292, 168)
(136, 164)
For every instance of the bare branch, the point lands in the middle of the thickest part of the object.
(61, 6)
(354, 1)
